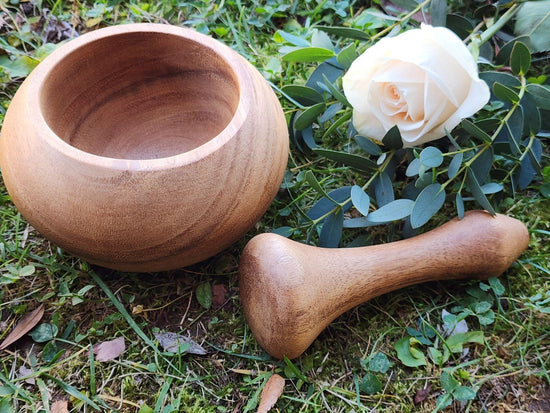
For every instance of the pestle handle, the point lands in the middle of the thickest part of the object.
(291, 291)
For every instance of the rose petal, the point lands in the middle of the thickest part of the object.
(368, 125)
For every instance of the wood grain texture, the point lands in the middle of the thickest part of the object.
(291, 291)
(144, 147)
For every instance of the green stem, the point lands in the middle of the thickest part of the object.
(493, 29)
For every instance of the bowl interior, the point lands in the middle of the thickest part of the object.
(139, 95)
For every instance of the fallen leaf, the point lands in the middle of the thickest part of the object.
(422, 394)
(271, 393)
(109, 350)
(60, 406)
(23, 327)
(25, 371)
(171, 343)
(218, 295)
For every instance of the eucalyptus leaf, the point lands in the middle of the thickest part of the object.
(321, 39)
(392, 139)
(413, 168)
(430, 200)
(431, 156)
(438, 12)
(347, 56)
(393, 211)
(331, 111)
(477, 192)
(331, 232)
(541, 95)
(532, 121)
(520, 59)
(308, 54)
(368, 145)
(492, 188)
(505, 93)
(334, 91)
(483, 164)
(292, 39)
(308, 116)
(455, 164)
(503, 56)
(360, 200)
(506, 79)
(354, 161)
(513, 130)
(459, 202)
(475, 131)
(383, 189)
(314, 183)
(304, 95)
(329, 69)
(533, 20)
(325, 205)
(346, 32)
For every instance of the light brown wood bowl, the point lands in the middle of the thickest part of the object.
(143, 147)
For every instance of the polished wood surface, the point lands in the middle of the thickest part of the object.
(291, 291)
(144, 147)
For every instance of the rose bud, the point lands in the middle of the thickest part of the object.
(424, 80)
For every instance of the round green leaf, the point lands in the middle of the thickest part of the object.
(379, 363)
(448, 382)
(463, 393)
(402, 347)
(44, 332)
(429, 201)
(370, 384)
(360, 200)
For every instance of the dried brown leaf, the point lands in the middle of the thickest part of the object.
(271, 393)
(218, 295)
(422, 394)
(109, 350)
(25, 325)
(60, 406)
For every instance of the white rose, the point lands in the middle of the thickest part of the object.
(423, 80)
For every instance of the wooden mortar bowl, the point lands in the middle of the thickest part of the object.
(143, 147)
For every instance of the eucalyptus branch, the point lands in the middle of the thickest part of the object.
(401, 20)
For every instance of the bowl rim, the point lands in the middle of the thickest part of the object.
(232, 58)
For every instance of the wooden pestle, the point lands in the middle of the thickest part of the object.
(291, 291)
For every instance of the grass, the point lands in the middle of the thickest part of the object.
(508, 369)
